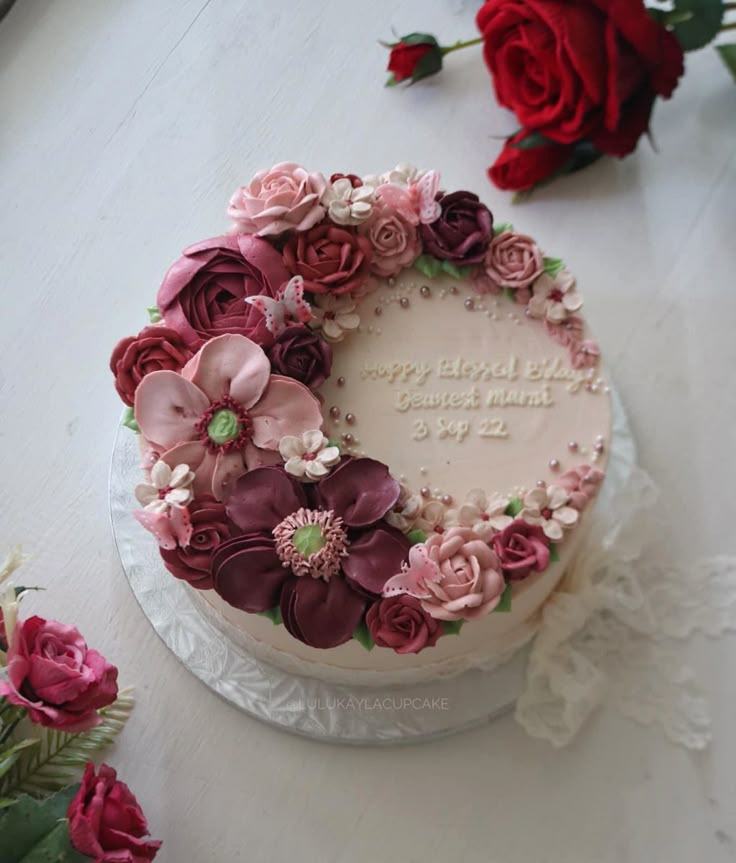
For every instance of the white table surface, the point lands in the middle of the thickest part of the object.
(123, 129)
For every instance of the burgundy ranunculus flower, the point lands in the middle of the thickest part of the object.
(210, 528)
(522, 549)
(203, 294)
(462, 232)
(330, 259)
(319, 551)
(153, 349)
(56, 677)
(106, 823)
(302, 354)
(401, 623)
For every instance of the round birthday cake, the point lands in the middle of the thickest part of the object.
(372, 424)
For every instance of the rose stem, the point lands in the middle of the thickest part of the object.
(459, 45)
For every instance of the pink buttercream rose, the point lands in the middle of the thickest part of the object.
(203, 294)
(395, 241)
(330, 259)
(56, 678)
(581, 483)
(283, 198)
(401, 623)
(513, 261)
(224, 414)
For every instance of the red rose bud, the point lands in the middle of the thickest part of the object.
(413, 57)
(519, 169)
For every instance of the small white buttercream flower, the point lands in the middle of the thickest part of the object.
(548, 507)
(483, 514)
(406, 511)
(347, 204)
(555, 299)
(334, 316)
(168, 487)
(309, 456)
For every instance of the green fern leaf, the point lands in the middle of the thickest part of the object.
(60, 757)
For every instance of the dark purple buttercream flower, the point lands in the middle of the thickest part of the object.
(462, 232)
(302, 354)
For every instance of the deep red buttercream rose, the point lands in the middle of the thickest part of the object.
(462, 232)
(522, 549)
(518, 169)
(56, 677)
(106, 822)
(580, 69)
(302, 354)
(401, 623)
(203, 293)
(210, 528)
(331, 259)
(153, 349)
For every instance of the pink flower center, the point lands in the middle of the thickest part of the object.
(484, 516)
(311, 542)
(547, 513)
(225, 426)
(555, 295)
(309, 456)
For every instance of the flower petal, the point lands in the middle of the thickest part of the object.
(286, 408)
(145, 493)
(179, 496)
(200, 460)
(552, 529)
(329, 456)
(262, 498)
(313, 440)
(321, 613)
(181, 475)
(316, 470)
(557, 496)
(247, 572)
(161, 475)
(375, 557)
(477, 497)
(230, 365)
(360, 491)
(167, 408)
(228, 468)
(291, 446)
(296, 466)
(566, 516)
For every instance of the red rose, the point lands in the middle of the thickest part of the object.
(574, 69)
(106, 822)
(522, 548)
(153, 349)
(331, 259)
(210, 528)
(56, 678)
(414, 57)
(518, 170)
(401, 623)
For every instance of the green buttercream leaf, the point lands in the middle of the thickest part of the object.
(428, 266)
(154, 315)
(514, 507)
(509, 294)
(273, 614)
(36, 831)
(505, 603)
(452, 627)
(416, 536)
(728, 55)
(695, 22)
(552, 266)
(502, 228)
(455, 271)
(363, 636)
(554, 555)
(129, 420)
(331, 442)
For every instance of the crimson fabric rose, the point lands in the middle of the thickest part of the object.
(401, 623)
(518, 170)
(210, 528)
(330, 259)
(106, 821)
(203, 294)
(574, 69)
(153, 349)
(56, 678)
(522, 548)
(414, 57)
(301, 354)
(462, 232)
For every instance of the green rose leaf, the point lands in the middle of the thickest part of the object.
(455, 271)
(9, 756)
(416, 536)
(502, 228)
(505, 602)
(514, 507)
(695, 23)
(154, 316)
(129, 420)
(728, 55)
(363, 637)
(554, 555)
(36, 831)
(428, 266)
(273, 614)
(532, 141)
(452, 627)
(552, 266)
(430, 64)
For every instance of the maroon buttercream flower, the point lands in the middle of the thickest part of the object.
(462, 232)
(302, 354)
(401, 623)
(330, 259)
(318, 551)
(522, 549)
(210, 528)
(153, 349)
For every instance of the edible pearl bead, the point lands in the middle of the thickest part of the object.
(554, 464)
(349, 419)
(424, 491)
(453, 289)
(572, 445)
(425, 291)
(541, 483)
(377, 311)
(446, 499)
(334, 412)
(347, 437)
(341, 382)
(404, 302)
(600, 439)
(469, 304)
(599, 447)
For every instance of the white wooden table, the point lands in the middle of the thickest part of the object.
(123, 129)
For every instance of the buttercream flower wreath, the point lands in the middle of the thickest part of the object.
(244, 492)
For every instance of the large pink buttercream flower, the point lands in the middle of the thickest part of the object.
(283, 198)
(224, 414)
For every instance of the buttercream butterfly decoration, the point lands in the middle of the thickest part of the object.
(289, 306)
(171, 528)
(416, 202)
(415, 575)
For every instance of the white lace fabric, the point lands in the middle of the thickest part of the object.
(618, 628)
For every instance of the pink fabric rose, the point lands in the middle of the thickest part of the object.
(401, 623)
(224, 414)
(330, 259)
(395, 241)
(106, 823)
(56, 678)
(522, 549)
(581, 483)
(203, 294)
(513, 261)
(153, 349)
(283, 198)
